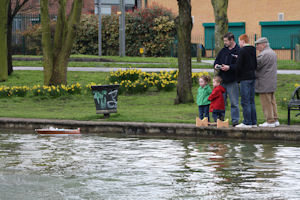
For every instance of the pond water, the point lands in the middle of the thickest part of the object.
(109, 167)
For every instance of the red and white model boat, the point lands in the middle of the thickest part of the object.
(52, 130)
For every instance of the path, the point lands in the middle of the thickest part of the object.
(109, 69)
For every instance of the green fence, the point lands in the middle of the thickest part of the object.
(283, 44)
(21, 23)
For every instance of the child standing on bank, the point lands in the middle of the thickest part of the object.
(202, 97)
(217, 106)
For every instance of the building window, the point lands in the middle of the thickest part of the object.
(237, 28)
(281, 34)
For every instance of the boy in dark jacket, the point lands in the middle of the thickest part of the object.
(245, 73)
(217, 106)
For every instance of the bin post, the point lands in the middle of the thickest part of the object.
(199, 52)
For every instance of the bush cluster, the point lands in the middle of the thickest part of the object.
(150, 28)
(33, 38)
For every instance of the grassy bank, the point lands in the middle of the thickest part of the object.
(153, 106)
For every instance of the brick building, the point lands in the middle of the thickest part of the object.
(89, 6)
(33, 7)
(30, 13)
(279, 20)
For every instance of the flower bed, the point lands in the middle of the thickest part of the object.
(131, 81)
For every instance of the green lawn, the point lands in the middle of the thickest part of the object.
(167, 62)
(117, 58)
(112, 64)
(153, 106)
(288, 64)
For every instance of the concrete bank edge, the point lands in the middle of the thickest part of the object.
(285, 133)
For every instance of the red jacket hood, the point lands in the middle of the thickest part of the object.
(220, 88)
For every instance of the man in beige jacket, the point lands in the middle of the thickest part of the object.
(266, 81)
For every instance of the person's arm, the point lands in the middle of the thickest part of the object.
(218, 60)
(198, 93)
(207, 91)
(262, 61)
(239, 63)
(213, 95)
(232, 65)
(255, 63)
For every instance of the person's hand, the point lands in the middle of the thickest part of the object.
(225, 67)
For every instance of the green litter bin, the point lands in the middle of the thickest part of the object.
(105, 98)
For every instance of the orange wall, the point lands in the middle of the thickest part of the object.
(249, 11)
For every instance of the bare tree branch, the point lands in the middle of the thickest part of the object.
(18, 7)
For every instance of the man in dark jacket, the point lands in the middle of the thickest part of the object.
(227, 58)
(245, 74)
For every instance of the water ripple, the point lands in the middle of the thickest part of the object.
(97, 167)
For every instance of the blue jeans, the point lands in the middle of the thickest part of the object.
(247, 90)
(218, 114)
(204, 111)
(232, 90)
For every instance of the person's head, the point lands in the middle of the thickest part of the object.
(261, 44)
(243, 39)
(228, 40)
(217, 81)
(204, 80)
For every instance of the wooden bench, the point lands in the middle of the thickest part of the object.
(294, 103)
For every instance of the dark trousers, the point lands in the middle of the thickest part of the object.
(204, 111)
(247, 91)
(218, 114)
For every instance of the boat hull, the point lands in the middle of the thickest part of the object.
(58, 131)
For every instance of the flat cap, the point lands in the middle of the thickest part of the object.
(262, 40)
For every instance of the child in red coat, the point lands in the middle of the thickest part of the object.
(217, 106)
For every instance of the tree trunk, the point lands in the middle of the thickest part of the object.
(3, 39)
(184, 28)
(9, 36)
(221, 22)
(46, 42)
(57, 52)
(11, 14)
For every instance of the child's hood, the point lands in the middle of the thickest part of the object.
(221, 88)
(205, 87)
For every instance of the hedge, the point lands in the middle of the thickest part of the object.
(152, 28)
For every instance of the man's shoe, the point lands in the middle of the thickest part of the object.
(277, 123)
(254, 126)
(267, 125)
(243, 126)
